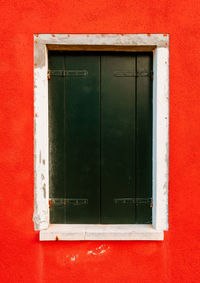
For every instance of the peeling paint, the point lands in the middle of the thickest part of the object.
(44, 190)
(105, 39)
(40, 220)
(41, 187)
(100, 250)
(39, 54)
(73, 258)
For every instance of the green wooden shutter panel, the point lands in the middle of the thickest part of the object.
(100, 137)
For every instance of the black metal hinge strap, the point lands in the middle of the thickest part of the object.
(67, 73)
(133, 74)
(67, 201)
(133, 201)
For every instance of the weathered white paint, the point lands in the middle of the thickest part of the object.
(160, 138)
(75, 232)
(158, 40)
(160, 120)
(41, 163)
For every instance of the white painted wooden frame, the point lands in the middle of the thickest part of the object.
(160, 47)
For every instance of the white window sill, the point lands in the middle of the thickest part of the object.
(81, 232)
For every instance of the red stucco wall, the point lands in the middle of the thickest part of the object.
(22, 257)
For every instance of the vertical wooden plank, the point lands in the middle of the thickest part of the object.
(144, 138)
(56, 136)
(117, 138)
(82, 140)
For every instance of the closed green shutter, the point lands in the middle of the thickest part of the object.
(100, 137)
(74, 138)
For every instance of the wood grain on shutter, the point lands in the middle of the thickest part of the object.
(76, 103)
(144, 139)
(117, 138)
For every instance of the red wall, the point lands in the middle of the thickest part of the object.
(22, 257)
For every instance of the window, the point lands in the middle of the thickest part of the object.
(100, 134)
(101, 130)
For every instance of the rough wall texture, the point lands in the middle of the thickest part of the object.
(23, 257)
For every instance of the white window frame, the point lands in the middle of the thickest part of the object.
(159, 44)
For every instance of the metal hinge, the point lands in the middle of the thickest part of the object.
(133, 74)
(84, 73)
(133, 201)
(67, 73)
(67, 201)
